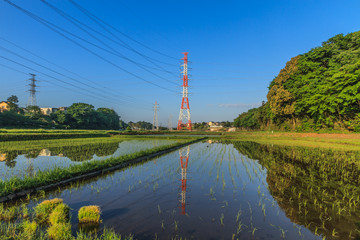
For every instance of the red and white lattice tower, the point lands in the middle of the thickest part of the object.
(185, 108)
(184, 159)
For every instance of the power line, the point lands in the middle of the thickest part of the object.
(92, 16)
(47, 24)
(59, 80)
(114, 52)
(109, 91)
(120, 42)
(51, 70)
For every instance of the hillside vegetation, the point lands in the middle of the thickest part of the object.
(316, 90)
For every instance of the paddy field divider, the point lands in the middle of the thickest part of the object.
(16, 187)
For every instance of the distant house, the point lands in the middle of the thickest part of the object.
(62, 109)
(215, 126)
(4, 106)
(2, 157)
(232, 129)
(48, 111)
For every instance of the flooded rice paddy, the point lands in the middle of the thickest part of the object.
(237, 190)
(28, 162)
(222, 190)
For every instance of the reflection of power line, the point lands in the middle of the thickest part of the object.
(32, 90)
(184, 159)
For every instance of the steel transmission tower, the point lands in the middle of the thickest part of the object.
(32, 90)
(170, 123)
(156, 121)
(184, 159)
(184, 116)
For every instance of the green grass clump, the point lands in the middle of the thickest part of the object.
(8, 214)
(60, 231)
(44, 209)
(89, 214)
(29, 229)
(60, 214)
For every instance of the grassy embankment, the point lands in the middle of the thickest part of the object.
(40, 134)
(19, 145)
(345, 142)
(44, 178)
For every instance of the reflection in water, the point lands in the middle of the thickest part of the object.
(315, 188)
(184, 159)
(28, 162)
(2, 157)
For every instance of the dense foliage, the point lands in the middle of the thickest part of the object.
(315, 90)
(77, 116)
(140, 125)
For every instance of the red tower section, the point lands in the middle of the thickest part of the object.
(184, 116)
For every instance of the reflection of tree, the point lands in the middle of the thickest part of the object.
(87, 151)
(10, 164)
(316, 188)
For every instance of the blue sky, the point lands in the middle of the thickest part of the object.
(235, 48)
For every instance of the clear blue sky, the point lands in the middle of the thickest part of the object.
(235, 48)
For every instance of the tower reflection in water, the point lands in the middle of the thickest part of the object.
(184, 159)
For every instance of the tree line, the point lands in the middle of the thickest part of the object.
(77, 116)
(316, 90)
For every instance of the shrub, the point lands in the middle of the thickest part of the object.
(60, 231)
(60, 214)
(44, 209)
(89, 214)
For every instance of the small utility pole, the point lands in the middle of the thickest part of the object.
(156, 121)
(170, 123)
(32, 90)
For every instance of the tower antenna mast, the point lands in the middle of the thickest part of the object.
(184, 116)
(32, 90)
(156, 120)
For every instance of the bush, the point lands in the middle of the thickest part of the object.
(60, 214)
(60, 231)
(44, 209)
(89, 214)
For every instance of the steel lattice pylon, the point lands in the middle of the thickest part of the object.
(184, 159)
(185, 108)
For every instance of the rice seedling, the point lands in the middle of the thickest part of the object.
(44, 209)
(60, 231)
(29, 229)
(159, 210)
(222, 219)
(176, 225)
(89, 215)
(61, 214)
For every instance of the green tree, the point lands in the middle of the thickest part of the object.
(13, 103)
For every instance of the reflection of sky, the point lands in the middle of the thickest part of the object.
(145, 199)
(22, 165)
